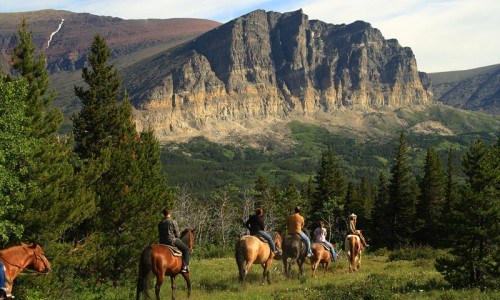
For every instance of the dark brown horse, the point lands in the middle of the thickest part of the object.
(160, 260)
(18, 258)
(249, 250)
(294, 248)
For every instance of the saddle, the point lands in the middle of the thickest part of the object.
(174, 250)
(261, 238)
(325, 246)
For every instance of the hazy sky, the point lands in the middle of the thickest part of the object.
(445, 35)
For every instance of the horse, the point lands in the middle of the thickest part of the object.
(249, 250)
(320, 256)
(159, 260)
(353, 248)
(25, 256)
(295, 249)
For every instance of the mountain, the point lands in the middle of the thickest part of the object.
(477, 89)
(71, 35)
(270, 66)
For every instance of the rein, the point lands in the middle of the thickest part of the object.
(23, 269)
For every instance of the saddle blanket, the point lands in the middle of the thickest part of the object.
(261, 238)
(175, 251)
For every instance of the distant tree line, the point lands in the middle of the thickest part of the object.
(92, 198)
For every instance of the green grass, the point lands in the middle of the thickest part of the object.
(379, 278)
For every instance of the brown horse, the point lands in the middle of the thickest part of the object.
(18, 258)
(353, 248)
(320, 256)
(249, 250)
(160, 260)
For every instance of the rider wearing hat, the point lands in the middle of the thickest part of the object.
(351, 229)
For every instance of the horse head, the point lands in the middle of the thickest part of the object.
(38, 260)
(187, 237)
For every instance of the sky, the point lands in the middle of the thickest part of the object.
(445, 35)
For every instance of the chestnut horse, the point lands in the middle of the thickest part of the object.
(353, 247)
(160, 260)
(320, 256)
(18, 258)
(249, 250)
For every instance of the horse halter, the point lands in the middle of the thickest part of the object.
(38, 257)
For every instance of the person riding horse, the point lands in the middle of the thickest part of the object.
(3, 288)
(351, 229)
(320, 235)
(169, 235)
(255, 224)
(296, 225)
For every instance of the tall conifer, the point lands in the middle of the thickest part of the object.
(475, 220)
(403, 197)
(131, 189)
(432, 200)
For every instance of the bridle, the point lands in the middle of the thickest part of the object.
(37, 257)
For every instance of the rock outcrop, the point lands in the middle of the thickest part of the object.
(269, 65)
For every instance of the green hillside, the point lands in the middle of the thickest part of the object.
(204, 166)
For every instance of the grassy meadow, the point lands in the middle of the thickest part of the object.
(407, 274)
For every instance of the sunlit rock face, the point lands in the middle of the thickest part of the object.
(267, 65)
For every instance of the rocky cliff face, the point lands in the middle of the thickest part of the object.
(267, 65)
(476, 89)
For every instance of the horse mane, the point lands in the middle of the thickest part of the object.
(184, 232)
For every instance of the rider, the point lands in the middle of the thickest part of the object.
(3, 288)
(256, 226)
(295, 226)
(320, 235)
(169, 235)
(351, 229)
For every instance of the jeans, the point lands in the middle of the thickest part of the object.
(307, 241)
(2, 276)
(332, 251)
(185, 252)
(269, 239)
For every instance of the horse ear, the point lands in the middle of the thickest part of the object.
(193, 230)
(33, 244)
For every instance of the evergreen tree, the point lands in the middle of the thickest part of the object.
(431, 202)
(353, 203)
(403, 197)
(475, 218)
(330, 183)
(452, 193)
(263, 192)
(380, 224)
(56, 197)
(131, 189)
(15, 148)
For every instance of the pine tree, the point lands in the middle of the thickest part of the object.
(57, 198)
(132, 188)
(475, 218)
(432, 200)
(330, 183)
(381, 224)
(403, 197)
(15, 147)
(263, 192)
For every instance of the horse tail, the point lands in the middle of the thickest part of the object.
(352, 251)
(145, 268)
(240, 259)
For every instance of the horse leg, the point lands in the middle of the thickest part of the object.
(326, 266)
(188, 282)
(285, 266)
(359, 260)
(247, 269)
(301, 263)
(172, 283)
(266, 267)
(159, 281)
